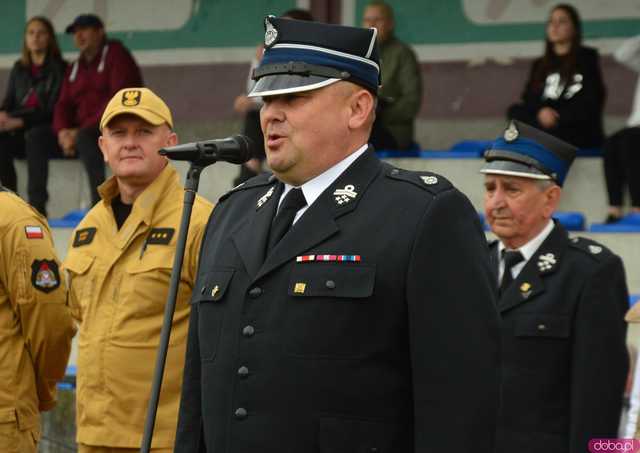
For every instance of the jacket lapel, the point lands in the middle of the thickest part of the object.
(531, 280)
(251, 238)
(319, 221)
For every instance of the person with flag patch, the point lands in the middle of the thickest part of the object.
(36, 327)
(562, 301)
(330, 295)
(119, 265)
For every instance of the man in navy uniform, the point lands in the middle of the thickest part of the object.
(341, 304)
(562, 302)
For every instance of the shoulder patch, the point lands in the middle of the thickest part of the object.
(257, 181)
(45, 275)
(84, 236)
(592, 248)
(160, 236)
(428, 181)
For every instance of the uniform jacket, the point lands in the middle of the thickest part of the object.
(580, 102)
(119, 281)
(401, 91)
(356, 351)
(47, 88)
(88, 87)
(564, 351)
(35, 323)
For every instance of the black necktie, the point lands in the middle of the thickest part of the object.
(292, 203)
(511, 258)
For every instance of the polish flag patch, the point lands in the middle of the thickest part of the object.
(34, 232)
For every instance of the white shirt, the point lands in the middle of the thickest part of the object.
(314, 187)
(527, 250)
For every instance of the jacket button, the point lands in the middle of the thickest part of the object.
(248, 331)
(255, 292)
(243, 371)
(241, 413)
(542, 327)
(330, 284)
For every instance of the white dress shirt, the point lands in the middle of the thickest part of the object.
(314, 187)
(527, 250)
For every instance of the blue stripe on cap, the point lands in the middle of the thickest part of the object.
(359, 70)
(536, 151)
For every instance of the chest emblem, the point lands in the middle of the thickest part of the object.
(546, 262)
(263, 199)
(343, 196)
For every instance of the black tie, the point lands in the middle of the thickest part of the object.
(511, 258)
(292, 203)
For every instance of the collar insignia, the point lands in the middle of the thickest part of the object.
(511, 133)
(263, 199)
(546, 262)
(343, 196)
(429, 180)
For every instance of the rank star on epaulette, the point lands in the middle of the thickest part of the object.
(263, 199)
(429, 180)
(595, 249)
(343, 196)
(160, 236)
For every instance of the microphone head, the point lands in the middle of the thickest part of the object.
(244, 150)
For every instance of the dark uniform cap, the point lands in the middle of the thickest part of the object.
(528, 152)
(84, 20)
(302, 56)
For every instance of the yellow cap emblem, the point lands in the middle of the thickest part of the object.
(131, 98)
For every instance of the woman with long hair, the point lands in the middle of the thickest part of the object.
(565, 93)
(27, 110)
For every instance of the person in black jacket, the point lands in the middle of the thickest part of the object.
(562, 301)
(564, 95)
(27, 110)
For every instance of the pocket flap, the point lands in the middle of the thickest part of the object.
(541, 325)
(213, 286)
(78, 263)
(332, 280)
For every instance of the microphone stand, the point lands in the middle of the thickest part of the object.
(190, 189)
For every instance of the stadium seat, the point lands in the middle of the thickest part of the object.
(475, 147)
(628, 224)
(69, 220)
(633, 298)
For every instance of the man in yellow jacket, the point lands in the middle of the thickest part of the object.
(35, 324)
(119, 266)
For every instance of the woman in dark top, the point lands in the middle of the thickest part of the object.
(27, 110)
(565, 93)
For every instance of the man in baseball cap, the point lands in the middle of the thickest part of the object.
(129, 239)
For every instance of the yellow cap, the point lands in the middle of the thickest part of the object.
(141, 102)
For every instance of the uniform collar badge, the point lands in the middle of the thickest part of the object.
(546, 262)
(344, 196)
(511, 133)
(263, 199)
(429, 180)
(525, 289)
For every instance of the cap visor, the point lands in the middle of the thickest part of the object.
(508, 168)
(148, 116)
(272, 85)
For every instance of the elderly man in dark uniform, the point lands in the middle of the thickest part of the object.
(562, 302)
(341, 304)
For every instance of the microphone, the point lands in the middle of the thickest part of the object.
(235, 150)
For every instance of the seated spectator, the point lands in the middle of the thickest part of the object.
(103, 67)
(27, 110)
(250, 109)
(564, 95)
(400, 96)
(621, 157)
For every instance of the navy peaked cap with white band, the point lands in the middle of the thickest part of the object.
(528, 152)
(302, 56)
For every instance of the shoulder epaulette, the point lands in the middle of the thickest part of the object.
(257, 181)
(592, 248)
(428, 181)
